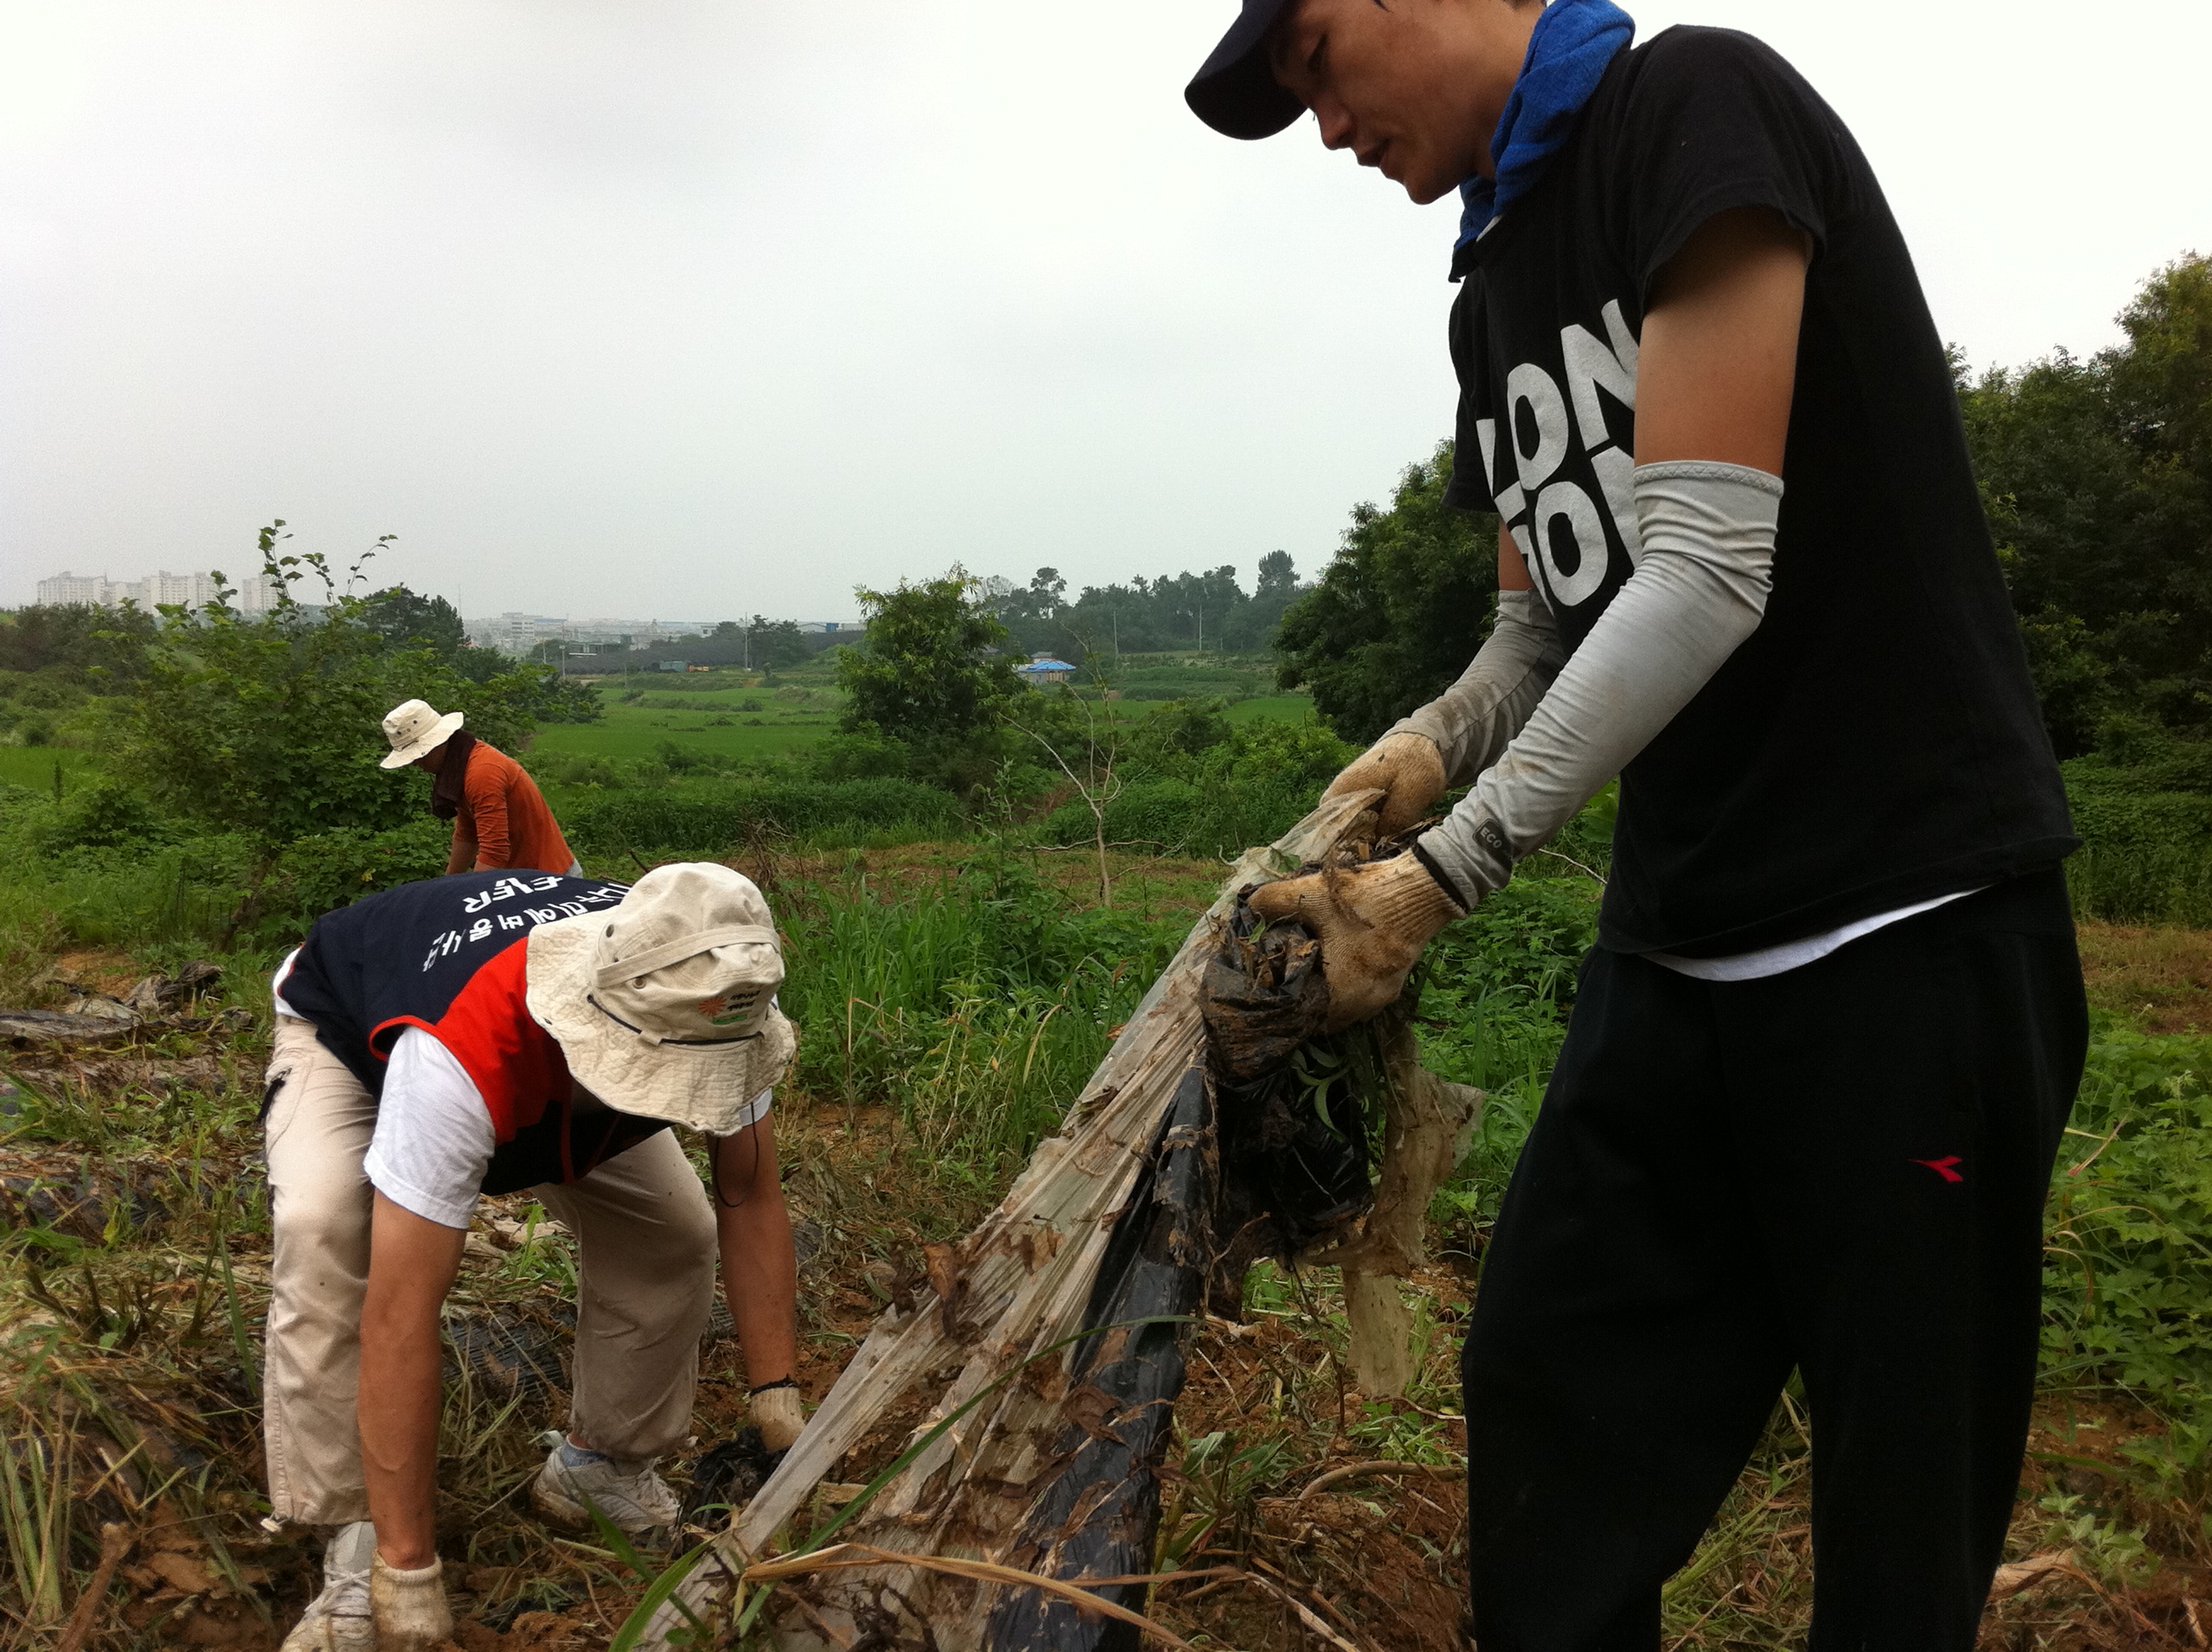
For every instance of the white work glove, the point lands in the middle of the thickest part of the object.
(1372, 922)
(1405, 768)
(409, 1607)
(780, 1416)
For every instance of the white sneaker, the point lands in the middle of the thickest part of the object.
(641, 1503)
(337, 1619)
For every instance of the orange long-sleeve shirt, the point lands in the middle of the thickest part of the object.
(504, 821)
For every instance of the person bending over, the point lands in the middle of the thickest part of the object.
(489, 1032)
(500, 816)
(1824, 1049)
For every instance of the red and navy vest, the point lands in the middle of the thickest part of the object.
(451, 956)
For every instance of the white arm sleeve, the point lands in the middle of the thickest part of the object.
(433, 1137)
(1708, 560)
(1472, 721)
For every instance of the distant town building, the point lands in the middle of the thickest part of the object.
(254, 595)
(519, 634)
(515, 633)
(1038, 672)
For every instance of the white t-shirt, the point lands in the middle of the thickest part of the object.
(433, 1136)
(1795, 955)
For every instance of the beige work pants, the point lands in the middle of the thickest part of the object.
(645, 1237)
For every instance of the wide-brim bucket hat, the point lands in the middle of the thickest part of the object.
(415, 730)
(665, 1005)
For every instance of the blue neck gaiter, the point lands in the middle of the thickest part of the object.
(1568, 52)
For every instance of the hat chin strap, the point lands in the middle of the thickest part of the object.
(614, 971)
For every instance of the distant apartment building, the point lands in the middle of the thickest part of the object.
(65, 588)
(258, 593)
(253, 595)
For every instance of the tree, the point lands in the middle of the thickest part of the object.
(925, 681)
(1252, 627)
(773, 644)
(406, 618)
(1397, 614)
(2097, 477)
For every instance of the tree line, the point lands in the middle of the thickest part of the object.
(1201, 612)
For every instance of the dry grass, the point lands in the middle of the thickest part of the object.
(2160, 976)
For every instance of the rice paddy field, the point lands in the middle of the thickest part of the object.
(737, 714)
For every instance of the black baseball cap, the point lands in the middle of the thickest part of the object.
(1235, 91)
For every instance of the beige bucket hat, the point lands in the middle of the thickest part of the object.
(415, 730)
(665, 1005)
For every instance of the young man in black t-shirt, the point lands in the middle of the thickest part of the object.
(1823, 1052)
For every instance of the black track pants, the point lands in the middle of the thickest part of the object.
(1841, 1168)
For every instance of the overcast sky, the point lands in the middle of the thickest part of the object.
(648, 308)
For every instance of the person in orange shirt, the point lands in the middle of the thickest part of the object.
(500, 818)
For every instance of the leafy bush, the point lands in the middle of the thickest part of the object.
(578, 768)
(2144, 857)
(325, 871)
(102, 816)
(2127, 1290)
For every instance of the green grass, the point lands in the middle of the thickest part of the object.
(632, 734)
(33, 766)
(791, 716)
(1273, 708)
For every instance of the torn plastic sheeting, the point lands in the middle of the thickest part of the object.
(1244, 1166)
(1098, 1516)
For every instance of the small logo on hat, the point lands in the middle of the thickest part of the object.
(730, 1008)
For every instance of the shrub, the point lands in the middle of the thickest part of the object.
(2144, 856)
(101, 816)
(325, 871)
(2127, 1294)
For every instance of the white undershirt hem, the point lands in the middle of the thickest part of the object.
(1795, 955)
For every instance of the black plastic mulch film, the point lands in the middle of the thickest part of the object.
(1254, 1158)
